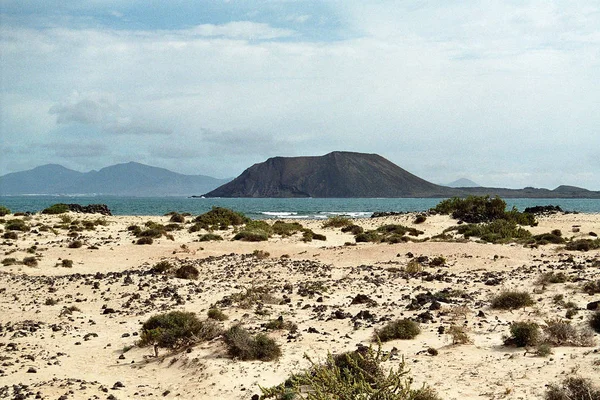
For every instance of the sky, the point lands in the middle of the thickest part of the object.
(505, 93)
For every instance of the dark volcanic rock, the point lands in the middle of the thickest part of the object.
(90, 209)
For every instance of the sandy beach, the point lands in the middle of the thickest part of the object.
(69, 331)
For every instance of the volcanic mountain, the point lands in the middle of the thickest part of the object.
(337, 174)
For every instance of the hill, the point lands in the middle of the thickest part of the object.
(129, 179)
(337, 174)
(462, 182)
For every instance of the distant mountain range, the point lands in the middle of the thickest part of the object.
(462, 182)
(129, 179)
(348, 174)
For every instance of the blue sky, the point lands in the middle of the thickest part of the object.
(504, 93)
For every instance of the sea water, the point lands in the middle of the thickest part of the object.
(302, 208)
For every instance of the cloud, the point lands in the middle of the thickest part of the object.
(102, 112)
(240, 30)
(77, 149)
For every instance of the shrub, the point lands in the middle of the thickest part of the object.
(10, 235)
(16, 225)
(369, 236)
(396, 229)
(161, 267)
(473, 209)
(400, 329)
(562, 333)
(4, 211)
(59, 208)
(594, 321)
(511, 300)
(336, 222)
(67, 263)
(285, 229)
(419, 219)
(497, 231)
(250, 297)
(583, 244)
(555, 237)
(176, 217)
(592, 287)
(353, 229)
(523, 334)
(280, 324)
(220, 217)
(241, 344)
(145, 240)
(459, 334)
(208, 237)
(75, 244)
(575, 388)
(552, 277)
(251, 236)
(352, 375)
(176, 329)
(187, 272)
(261, 254)
(217, 314)
(9, 261)
(30, 261)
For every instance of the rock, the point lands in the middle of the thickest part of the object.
(90, 209)
(32, 370)
(594, 305)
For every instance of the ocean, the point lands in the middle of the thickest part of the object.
(303, 208)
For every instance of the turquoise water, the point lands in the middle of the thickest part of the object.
(268, 208)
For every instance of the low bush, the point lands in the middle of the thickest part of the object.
(337, 221)
(477, 209)
(573, 388)
(59, 208)
(4, 211)
(497, 231)
(351, 375)
(251, 236)
(220, 218)
(12, 235)
(187, 272)
(145, 240)
(261, 254)
(594, 321)
(30, 261)
(419, 219)
(552, 277)
(285, 229)
(562, 333)
(523, 334)
(177, 218)
(511, 300)
(217, 314)
(279, 324)
(16, 225)
(209, 237)
(554, 237)
(458, 334)
(400, 329)
(75, 244)
(583, 244)
(67, 263)
(353, 229)
(176, 329)
(242, 345)
(161, 267)
(592, 287)
(9, 261)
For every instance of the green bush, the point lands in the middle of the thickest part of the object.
(208, 237)
(562, 333)
(400, 329)
(349, 376)
(221, 218)
(353, 229)
(67, 263)
(9, 261)
(594, 321)
(59, 208)
(242, 345)
(176, 329)
(511, 300)
(217, 314)
(523, 334)
(398, 230)
(285, 229)
(251, 236)
(336, 222)
(75, 244)
(369, 236)
(178, 218)
(554, 237)
(419, 219)
(16, 225)
(279, 324)
(497, 231)
(573, 388)
(4, 211)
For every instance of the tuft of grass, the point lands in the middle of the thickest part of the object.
(400, 329)
(552, 277)
(592, 287)
(9, 261)
(337, 221)
(511, 300)
(161, 267)
(209, 237)
(30, 261)
(561, 333)
(279, 324)
(261, 254)
(16, 225)
(242, 345)
(286, 229)
(459, 334)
